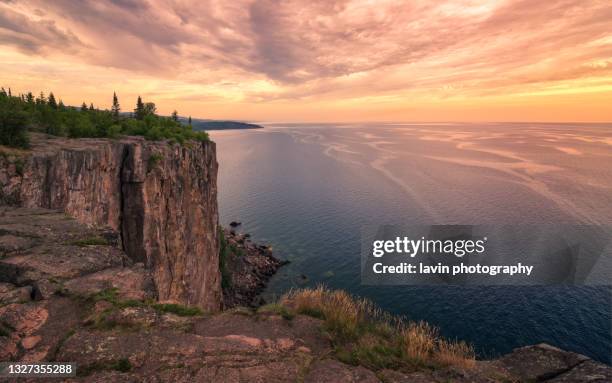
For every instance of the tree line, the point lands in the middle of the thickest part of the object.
(22, 113)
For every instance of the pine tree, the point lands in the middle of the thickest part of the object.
(3, 92)
(189, 120)
(175, 116)
(30, 98)
(91, 107)
(115, 108)
(84, 107)
(60, 105)
(52, 103)
(139, 111)
(9, 94)
(41, 100)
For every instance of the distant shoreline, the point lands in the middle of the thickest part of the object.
(221, 125)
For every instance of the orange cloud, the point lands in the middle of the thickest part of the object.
(319, 60)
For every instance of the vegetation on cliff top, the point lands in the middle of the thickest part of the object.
(224, 250)
(46, 114)
(364, 335)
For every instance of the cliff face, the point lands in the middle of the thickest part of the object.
(161, 198)
(62, 299)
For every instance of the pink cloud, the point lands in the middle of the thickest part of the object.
(317, 46)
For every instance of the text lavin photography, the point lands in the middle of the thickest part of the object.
(319, 191)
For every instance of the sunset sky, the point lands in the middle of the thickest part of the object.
(318, 60)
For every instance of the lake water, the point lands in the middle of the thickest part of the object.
(308, 190)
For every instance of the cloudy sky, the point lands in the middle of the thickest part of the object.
(318, 60)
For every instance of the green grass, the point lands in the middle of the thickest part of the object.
(111, 296)
(60, 343)
(90, 241)
(224, 254)
(154, 159)
(236, 250)
(180, 310)
(312, 312)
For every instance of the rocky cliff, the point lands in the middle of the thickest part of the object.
(66, 297)
(161, 198)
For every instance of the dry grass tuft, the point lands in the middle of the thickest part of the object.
(459, 354)
(419, 341)
(363, 334)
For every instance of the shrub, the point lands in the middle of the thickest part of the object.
(154, 159)
(180, 310)
(224, 253)
(13, 125)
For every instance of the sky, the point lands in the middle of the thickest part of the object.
(318, 60)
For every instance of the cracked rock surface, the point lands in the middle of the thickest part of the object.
(71, 294)
(160, 198)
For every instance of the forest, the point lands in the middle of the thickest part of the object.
(24, 113)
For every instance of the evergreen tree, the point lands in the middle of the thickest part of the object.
(52, 103)
(9, 94)
(139, 112)
(189, 120)
(13, 123)
(21, 111)
(150, 109)
(115, 108)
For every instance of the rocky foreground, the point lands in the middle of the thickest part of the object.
(68, 293)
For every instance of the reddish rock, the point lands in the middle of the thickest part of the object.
(332, 371)
(539, 362)
(30, 341)
(161, 197)
(250, 267)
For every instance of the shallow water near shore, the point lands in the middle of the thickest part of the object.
(308, 190)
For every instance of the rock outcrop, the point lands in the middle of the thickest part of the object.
(249, 267)
(68, 293)
(160, 197)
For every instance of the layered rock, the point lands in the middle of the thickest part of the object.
(160, 197)
(69, 294)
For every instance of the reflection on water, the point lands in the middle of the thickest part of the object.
(309, 189)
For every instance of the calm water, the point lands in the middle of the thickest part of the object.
(308, 189)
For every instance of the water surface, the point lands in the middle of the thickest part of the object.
(308, 189)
